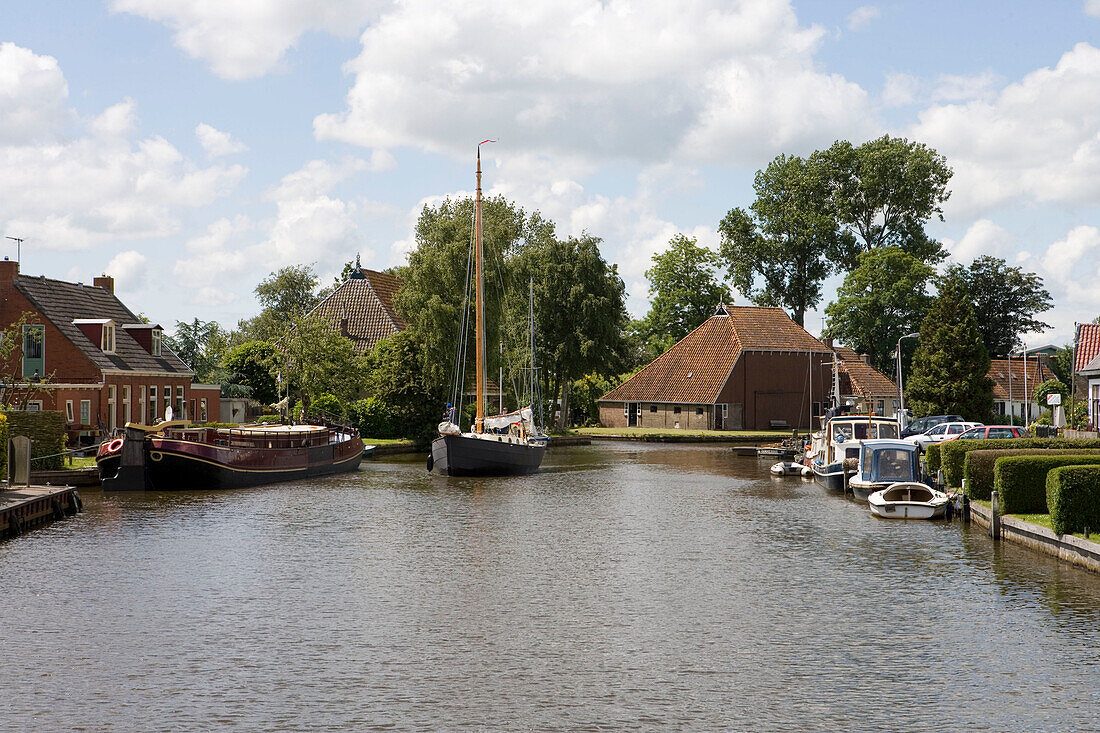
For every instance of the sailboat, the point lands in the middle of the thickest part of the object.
(508, 444)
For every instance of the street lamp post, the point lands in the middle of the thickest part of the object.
(901, 392)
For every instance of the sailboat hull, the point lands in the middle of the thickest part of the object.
(462, 455)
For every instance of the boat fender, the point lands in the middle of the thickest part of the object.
(431, 462)
(58, 510)
(78, 505)
(114, 446)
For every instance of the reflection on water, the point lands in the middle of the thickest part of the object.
(626, 585)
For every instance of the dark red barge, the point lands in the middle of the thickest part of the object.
(175, 455)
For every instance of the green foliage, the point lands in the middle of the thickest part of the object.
(951, 364)
(879, 301)
(1061, 363)
(933, 457)
(684, 289)
(326, 404)
(886, 189)
(792, 239)
(952, 453)
(265, 419)
(1049, 387)
(1008, 299)
(586, 392)
(3, 446)
(1021, 481)
(395, 376)
(286, 296)
(200, 345)
(1073, 498)
(978, 465)
(318, 360)
(249, 364)
(46, 429)
(372, 417)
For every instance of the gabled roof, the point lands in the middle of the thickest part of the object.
(62, 302)
(1037, 373)
(696, 368)
(367, 303)
(1088, 345)
(863, 379)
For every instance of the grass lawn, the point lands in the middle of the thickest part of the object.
(387, 441)
(1043, 520)
(762, 434)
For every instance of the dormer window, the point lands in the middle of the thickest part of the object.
(155, 346)
(107, 338)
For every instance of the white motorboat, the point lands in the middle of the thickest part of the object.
(883, 463)
(908, 500)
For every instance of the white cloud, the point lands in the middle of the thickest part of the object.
(1038, 140)
(217, 143)
(982, 238)
(862, 16)
(244, 40)
(129, 269)
(32, 95)
(963, 88)
(704, 80)
(900, 89)
(100, 183)
(1092, 7)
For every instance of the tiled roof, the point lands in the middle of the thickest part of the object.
(863, 378)
(61, 302)
(696, 368)
(1088, 345)
(367, 303)
(1037, 373)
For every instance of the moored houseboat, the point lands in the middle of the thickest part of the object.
(841, 439)
(177, 455)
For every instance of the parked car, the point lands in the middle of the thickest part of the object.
(990, 432)
(924, 424)
(943, 431)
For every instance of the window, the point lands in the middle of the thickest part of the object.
(202, 410)
(167, 400)
(955, 429)
(180, 412)
(676, 410)
(112, 400)
(34, 406)
(938, 430)
(155, 344)
(653, 408)
(34, 362)
(125, 404)
(698, 410)
(152, 403)
(725, 410)
(85, 412)
(107, 338)
(1001, 433)
(69, 411)
(626, 409)
(141, 404)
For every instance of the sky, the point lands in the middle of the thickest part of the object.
(189, 148)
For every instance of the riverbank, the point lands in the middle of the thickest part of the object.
(1073, 549)
(655, 435)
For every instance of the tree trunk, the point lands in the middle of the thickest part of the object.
(565, 421)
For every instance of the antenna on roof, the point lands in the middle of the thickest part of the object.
(18, 247)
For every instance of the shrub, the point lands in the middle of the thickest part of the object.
(372, 417)
(1073, 498)
(953, 452)
(326, 404)
(978, 465)
(264, 419)
(1021, 480)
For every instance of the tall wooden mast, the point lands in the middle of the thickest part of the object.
(479, 304)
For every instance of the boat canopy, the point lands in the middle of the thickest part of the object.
(862, 428)
(882, 461)
(503, 422)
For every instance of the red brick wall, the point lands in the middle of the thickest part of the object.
(774, 386)
(64, 362)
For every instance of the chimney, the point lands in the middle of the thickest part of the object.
(106, 282)
(344, 327)
(9, 271)
(865, 359)
(828, 342)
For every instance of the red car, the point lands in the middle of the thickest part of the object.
(990, 432)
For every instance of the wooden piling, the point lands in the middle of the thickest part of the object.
(995, 523)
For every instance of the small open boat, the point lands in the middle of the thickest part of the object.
(909, 500)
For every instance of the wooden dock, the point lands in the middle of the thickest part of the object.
(24, 507)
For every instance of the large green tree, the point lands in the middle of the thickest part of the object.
(886, 189)
(395, 377)
(285, 296)
(951, 364)
(201, 345)
(1008, 299)
(317, 360)
(880, 301)
(250, 364)
(684, 289)
(781, 251)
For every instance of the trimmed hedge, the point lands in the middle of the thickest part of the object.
(46, 429)
(932, 457)
(953, 452)
(1022, 480)
(978, 465)
(1073, 498)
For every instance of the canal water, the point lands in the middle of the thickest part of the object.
(624, 586)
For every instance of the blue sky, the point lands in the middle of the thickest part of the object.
(189, 148)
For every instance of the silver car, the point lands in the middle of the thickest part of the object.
(941, 432)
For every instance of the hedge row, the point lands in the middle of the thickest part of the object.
(46, 429)
(1022, 480)
(952, 453)
(978, 465)
(1073, 498)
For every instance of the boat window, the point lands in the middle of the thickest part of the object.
(861, 431)
(887, 430)
(845, 430)
(894, 465)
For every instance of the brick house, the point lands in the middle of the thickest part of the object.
(745, 368)
(102, 367)
(1014, 383)
(362, 308)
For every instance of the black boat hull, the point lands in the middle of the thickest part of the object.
(460, 455)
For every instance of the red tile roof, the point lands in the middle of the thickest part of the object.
(1088, 345)
(367, 303)
(863, 378)
(1037, 373)
(696, 368)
